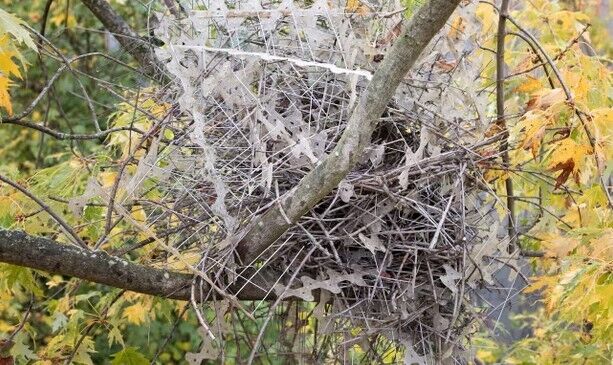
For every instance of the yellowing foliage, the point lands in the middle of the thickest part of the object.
(12, 34)
(569, 141)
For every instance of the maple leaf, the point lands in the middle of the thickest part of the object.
(136, 313)
(13, 25)
(526, 63)
(602, 122)
(558, 246)
(445, 65)
(567, 168)
(7, 52)
(534, 123)
(568, 156)
(530, 85)
(544, 99)
(129, 356)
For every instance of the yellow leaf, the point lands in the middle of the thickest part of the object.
(593, 197)
(602, 121)
(54, 281)
(187, 257)
(485, 12)
(525, 64)
(567, 24)
(458, 25)
(579, 85)
(530, 85)
(602, 247)
(136, 314)
(5, 98)
(138, 213)
(540, 283)
(558, 246)
(569, 157)
(544, 99)
(355, 6)
(7, 66)
(534, 123)
(486, 356)
(107, 178)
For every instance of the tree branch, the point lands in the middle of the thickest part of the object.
(500, 117)
(19, 248)
(267, 228)
(133, 44)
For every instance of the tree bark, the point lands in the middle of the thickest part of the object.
(19, 248)
(140, 49)
(324, 178)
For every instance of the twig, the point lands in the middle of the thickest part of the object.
(90, 327)
(8, 342)
(201, 320)
(69, 136)
(500, 120)
(47, 209)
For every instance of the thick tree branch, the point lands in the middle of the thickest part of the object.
(140, 49)
(267, 228)
(19, 248)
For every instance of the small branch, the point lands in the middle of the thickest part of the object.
(133, 44)
(500, 117)
(7, 343)
(541, 63)
(69, 136)
(532, 253)
(47, 209)
(325, 177)
(103, 316)
(67, 65)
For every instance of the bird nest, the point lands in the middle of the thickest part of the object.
(393, 254)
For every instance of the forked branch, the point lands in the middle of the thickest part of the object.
(324, 178)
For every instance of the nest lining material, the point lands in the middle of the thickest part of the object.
(265, 94)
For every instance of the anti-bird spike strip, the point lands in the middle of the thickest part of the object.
(263, 99)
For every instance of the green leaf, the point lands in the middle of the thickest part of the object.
(115, 336)
(13, 25)
(21, 350)
(82, 356)
(59, 321)
(129, 356)
(11, 275)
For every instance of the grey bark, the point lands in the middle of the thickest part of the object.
(19, 248)
(324, 178)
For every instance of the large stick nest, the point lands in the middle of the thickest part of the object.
(396, 250)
